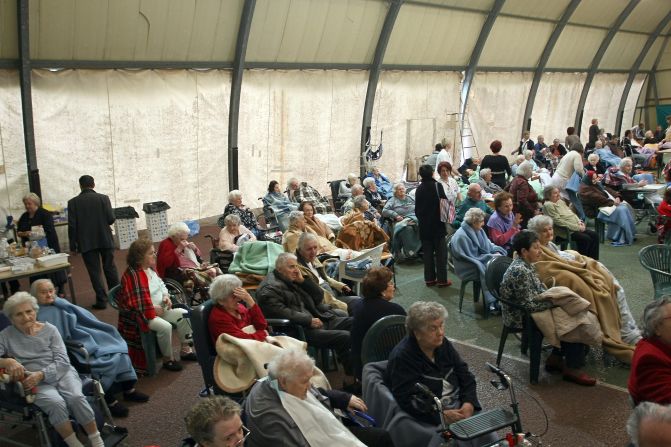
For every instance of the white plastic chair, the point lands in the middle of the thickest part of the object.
(375, 254)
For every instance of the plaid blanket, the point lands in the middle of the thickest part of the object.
(135, 311)
(307, 193)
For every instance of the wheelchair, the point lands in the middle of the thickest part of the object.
(24, 424)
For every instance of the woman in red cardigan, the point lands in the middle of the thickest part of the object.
(235, 312)
(650, 377)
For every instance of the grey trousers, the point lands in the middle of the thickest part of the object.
(63, 398)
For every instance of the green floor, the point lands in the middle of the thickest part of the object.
(470, 327)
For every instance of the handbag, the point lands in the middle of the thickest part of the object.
(444, 207)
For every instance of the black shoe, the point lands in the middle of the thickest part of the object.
(118, 410)
(189, 356)
(172, 366)
(135, 396)
(100, 305)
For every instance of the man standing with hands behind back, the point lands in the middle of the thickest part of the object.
(89, 218)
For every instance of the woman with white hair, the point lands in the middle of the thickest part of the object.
(400, 209)
(525, 199)
(234, 234)
(373, 195)
(345, 188)
(37, 358)
(486, 183)
(298, 226)
(361, 211)
(595, 164)
(235, 312)
(286, 406)
(247, 217)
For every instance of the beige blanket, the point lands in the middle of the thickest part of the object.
(570, 321)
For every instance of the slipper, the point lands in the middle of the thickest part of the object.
(447, 283)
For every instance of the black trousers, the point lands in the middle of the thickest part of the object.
(573, 353)
(92, 260)
(335, 334)
(435, 259)
(587, 243)
(372, 436)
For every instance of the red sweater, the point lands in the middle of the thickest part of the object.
(166, 258)
(650, 377)
(221, 322)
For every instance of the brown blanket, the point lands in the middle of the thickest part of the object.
(586, 278)
(361, 235)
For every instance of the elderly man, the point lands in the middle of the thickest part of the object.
(473, 200)
(650, 425)
(302, 192)
(215, 422)
(280, 295)
(357, 190)
(317, 282)
(486, 183)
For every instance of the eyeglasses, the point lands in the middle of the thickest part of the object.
(245, 435)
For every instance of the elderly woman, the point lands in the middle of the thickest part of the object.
(432, 229)
(529, 156)
(234, 234)
(650, 377)
(289, 408)
(345, 188)
(565, 220)
(400, 209)
(572, 163)
(486, 182)
(472, 250)
(519, 159)
(373, 195)
(521, 285)
(616, 177)
(504, 224)
(450, 188)
(37, 358)
(525, 199)
(357, 190)
(601, 204)
(378, 291)
(144, 305)
(497, 163)
(298, 226)
(215, 422)
(107, 351)
(313, 223)
(381, 181)
(247, 217)
(360, 211)
(279, 203)
(595, 164)
(235, 312)
(593, 281)
(176, 255)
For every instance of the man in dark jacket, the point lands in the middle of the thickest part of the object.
(280, 296)
(89, 218)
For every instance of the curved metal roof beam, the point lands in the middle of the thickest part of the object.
(597, 60)
(542, 62)
(477, 51)
(634, 70)
(236, 87)
(375, 68)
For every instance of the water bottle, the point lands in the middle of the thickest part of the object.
(4, 247)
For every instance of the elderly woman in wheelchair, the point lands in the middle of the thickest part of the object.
(38, 359)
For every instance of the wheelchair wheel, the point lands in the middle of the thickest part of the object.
(177, 293)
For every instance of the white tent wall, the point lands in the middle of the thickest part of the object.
(555, 105)
(144, 136)
(303, 124)
(496, 109)
(632, 116)
(602, 101)
(13, 176)
(415, 101)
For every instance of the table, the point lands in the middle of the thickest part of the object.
(37, 270)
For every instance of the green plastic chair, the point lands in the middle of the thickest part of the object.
(381, 338)
(657, 260)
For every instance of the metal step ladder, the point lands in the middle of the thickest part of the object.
(466, 140)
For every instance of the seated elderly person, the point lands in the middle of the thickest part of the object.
(234, 234)
(426, 356)
(378, 291)
(565, 221)
(107, 350)
(357, 190)
(521, 285)
(595, 164)
(313, 223)
(144, 305)
(486, 182)
(247, 217)
(279, 203)
(519, 159)
(37, 358)
(504, 224)
(400, 209)
(616, 177)
(468, 168)
(287, 408)
(345, 188)
(607, 206)
(280, 296)
(606, 155)
(234, 311)
(473, 200)
(650, 425)
(529, 156)
(176, 255)
(593, 281)
(215, 422)
(555, 152)
(525, 199)
(373, 195)
(315, 275)
(472, 250)
(650, 377)
(300, 192)
(298, 226)
(381, 181)
(360, 211)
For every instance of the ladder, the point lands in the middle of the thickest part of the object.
(462, 127)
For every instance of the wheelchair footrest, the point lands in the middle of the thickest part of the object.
(482, 423)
